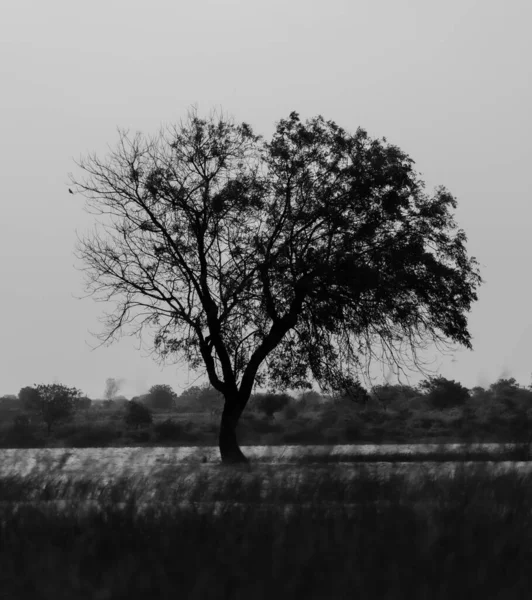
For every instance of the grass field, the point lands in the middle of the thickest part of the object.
(200, 530)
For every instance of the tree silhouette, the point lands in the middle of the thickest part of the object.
(272, 262)
(53, 403)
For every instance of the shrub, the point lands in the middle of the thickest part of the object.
(168, 430)
(265, 426)
(137, 415)
(92, 437)
(270, 403)
(290, 412)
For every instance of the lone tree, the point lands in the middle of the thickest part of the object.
(162, 397)
(53, 403)
(267, 262)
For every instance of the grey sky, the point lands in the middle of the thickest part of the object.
(450, 83)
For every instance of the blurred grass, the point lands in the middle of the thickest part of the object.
(438, 537)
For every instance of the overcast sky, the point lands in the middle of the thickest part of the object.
(449, 82)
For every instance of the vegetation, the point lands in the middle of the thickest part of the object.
(437, 410)
(324, 537)
(271, 262)
(53, 403)
(161, 397)
(137, 415)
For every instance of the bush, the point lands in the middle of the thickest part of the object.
(137, 415)
(168, 430)
(92, 437)
(141, 436)
(271, 403)
(265, 426)
(290, 412)
(21, 423)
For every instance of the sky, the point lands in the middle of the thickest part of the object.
(450, 83)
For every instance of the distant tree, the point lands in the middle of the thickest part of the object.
(505, 387)
(273, 262)
(388, 394)
(9, 402)
(161, 397)
(444, 393)
(112, 387)
(210, 399)
(137, 415)
(191, 394)
(270, 403)
(82, 403)
(355, 392)
(141, 399)
(510, 393)
(310, 399)
(30, 399)
(21, 423)
(53, 403)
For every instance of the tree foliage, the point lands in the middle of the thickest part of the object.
(137, 415)
(444, 393)
(270, 403)
(161, 397)
(53, 403)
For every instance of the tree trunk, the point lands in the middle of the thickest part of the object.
(229, 448)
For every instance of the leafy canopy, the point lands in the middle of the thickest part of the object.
(273, 262)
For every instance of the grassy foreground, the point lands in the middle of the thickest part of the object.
(464, 537)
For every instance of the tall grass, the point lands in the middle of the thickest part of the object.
(440, 537)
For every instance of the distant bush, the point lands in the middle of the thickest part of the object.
(310, 400)
(270, 403)
(92, 437)
(289, 412)
(137, 415)
(266, 426)
(168, 430)
(141, 436)
(53, 403)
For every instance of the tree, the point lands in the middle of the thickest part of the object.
(137, 415)
(162, 397)
(112, 387)
(444, 393)
(271, 403)
(53, 403)
(272, 262)
(29, 398)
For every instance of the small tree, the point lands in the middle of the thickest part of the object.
(269, 403)
(137, 415)
(162, 397)
(53, 403)
(112, 387)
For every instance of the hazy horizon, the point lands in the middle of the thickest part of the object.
(449, 83)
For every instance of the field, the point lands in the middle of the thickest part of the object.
(298, 523)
